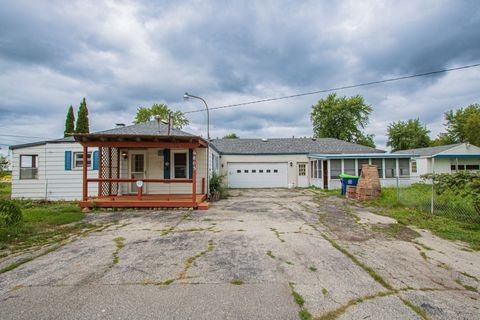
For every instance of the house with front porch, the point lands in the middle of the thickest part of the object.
(142, 165)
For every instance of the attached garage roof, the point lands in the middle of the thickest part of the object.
(289, 146)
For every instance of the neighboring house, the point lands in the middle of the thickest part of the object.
(301, 162)
(172, 164)
(443, 159)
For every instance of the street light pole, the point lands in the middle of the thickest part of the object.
(187, 96)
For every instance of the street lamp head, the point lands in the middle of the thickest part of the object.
(186, 96)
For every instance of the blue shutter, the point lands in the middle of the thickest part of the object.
(95, 160)
(68, 160)
(190, 163)
(166, 158)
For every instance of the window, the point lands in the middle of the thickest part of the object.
(239, 171)
(404, 167)
(318, 169)
(465, 167)
(390, 168)
(260, 171)
(335, 169)
(245, 171)
(473, 167)
(180, 165)
(78, 160)
(349, 166)
(275, 170)
(254, 171)
(379, 164)
(28, 166)
(302, 169)
(312, 169)
(361, 162)
(268, 170)
(414, 166)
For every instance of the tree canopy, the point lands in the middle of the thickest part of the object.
(408, 134)
(163, 111)
(342, 118)
(462, 126)
(231, 136)
(69, 123)
(82, 125)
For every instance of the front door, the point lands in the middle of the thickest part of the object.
(325, 174)
(138, 169)
(302, 178)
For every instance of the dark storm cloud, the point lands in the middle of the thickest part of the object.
(121, 55)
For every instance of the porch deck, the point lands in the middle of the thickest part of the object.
(148, 201)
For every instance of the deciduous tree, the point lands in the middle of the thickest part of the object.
(342, 118)
(410, 134)
(231, 136)
(163, 111)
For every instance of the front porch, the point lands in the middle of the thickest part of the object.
(148, 201)
(145, 171)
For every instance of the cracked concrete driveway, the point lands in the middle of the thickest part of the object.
(261, 254)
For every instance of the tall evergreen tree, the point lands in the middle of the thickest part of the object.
(82, 118)
(69, 123)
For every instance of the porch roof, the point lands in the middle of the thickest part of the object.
(152, 133)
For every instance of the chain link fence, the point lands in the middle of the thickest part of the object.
(425, 197)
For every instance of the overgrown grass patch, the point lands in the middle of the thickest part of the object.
(5, 190)
(43, 222)
(443, 226)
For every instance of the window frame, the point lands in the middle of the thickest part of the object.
(414, 166)
(172, 160)
(34, 167)
(401, 168)
(351, 170)
(394, 172)
(74, 160)
(332, 169)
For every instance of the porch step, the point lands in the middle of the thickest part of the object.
(203, 206)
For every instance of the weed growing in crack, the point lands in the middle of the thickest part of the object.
(466, 286)
(304, 314)
(312, 268)
(161, 283)
(415, 308)
(469, 276)
(370, 271)
(270, 254)
(324, 291)
(236, 282)
(277, 234)
(119, 242)
(191, 260)
(424, 255)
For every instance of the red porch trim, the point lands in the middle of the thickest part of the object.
(85, 184)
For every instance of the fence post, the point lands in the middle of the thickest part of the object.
(432, 201)
(398, 190)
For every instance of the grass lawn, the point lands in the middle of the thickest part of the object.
(43, 222)
(446, 226)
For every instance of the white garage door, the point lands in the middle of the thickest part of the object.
(257, 175)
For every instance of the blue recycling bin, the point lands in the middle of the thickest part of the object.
(348, 180)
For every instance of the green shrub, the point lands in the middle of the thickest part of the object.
(10, 213)
(217, 184)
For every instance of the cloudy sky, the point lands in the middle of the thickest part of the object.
(124, 54)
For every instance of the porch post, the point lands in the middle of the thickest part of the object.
(100, 171)
(85, 184)
(194, 177)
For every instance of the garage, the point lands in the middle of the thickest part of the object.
(257, 174)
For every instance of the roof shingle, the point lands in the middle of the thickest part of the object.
(290, 146)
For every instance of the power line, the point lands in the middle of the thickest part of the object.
(16, 136)
(364, 84)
